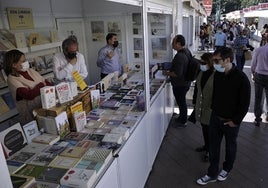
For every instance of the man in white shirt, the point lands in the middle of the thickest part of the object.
(68, 61)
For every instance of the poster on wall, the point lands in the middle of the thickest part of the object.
(20, 18)
(97, 30)
(114, 27)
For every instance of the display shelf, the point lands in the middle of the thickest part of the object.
(44, 46)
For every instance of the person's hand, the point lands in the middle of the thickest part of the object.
(111, 54)
(252, 77)
(73, 61)
(230, 124)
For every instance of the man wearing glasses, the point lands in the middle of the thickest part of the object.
(230, 102)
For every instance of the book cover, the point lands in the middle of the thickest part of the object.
(9, 100)
(124, 131)
(48, 96)
(42, 159)
(86, 144)
(48, 123)
(34, 39)
(4, 107)
(64, 92)
(114, 122)
(102, 131)
(34, 147)
(21, 181)
(74, 151)
(46, 138)
(30, 170)
(98, 166)
(79, 80)
(62, 124)
(95, 137)
(56, 148)
(6, 43)
(20, 40)
(63, 162)
(94, 124)
(98, 154)
(13, 139)
(97, 112)
(109, 145)
(22, 156)
(95, 98)
(51, 175)
(73, 86)
(14, 166)
(76, 107)
(81, 178)
(75, 136)
(113, 137)
(31, 130)
(110, 103)
(80, 120)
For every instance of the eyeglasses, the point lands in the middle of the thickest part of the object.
(203, 62)
(216, 61)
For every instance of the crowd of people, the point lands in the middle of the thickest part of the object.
(222, 89)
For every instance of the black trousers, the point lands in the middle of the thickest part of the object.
(217, 130)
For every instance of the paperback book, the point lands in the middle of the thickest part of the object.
(14, 166)
(95, 98)
(31, 130)
(113, 137)
(81, 178)
(46, 138)
(74, 151)
(64, 92)
(48, 96)
(30, 170)
(86, 144)
(21, 181)
(90, 165)
(13, 139)
(51, 175)
(75, 136)
(80, 120)
(95, 137)
(63, 162)
(42, 159)
(98, 154)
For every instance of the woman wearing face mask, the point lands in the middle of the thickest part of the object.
(108, 56)
(202, 99)
(24, 84)
(68, 61)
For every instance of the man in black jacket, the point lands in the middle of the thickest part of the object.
(177, 76)
(230, 102)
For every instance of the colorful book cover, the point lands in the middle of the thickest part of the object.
(48, 96)
(95, 98)
(30, 170)
(64, 92)
(51, 175)
(80, 120)
(62, 124)
(76, 107)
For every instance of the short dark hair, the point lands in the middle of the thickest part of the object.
(11, 57)
(109, 36)
(225, 52)
(69, 41)
(180, 39)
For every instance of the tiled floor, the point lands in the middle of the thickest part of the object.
(177, 165)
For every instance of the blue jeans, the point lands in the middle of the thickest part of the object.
(261, 84)
(217, 130)
(179, 93)
(240, 61)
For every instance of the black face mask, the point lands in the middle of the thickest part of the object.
(115, 44)
(71, 55)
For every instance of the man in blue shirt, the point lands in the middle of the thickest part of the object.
(220, 38)
(108, 56)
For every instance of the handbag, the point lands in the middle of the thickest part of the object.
(247, 55)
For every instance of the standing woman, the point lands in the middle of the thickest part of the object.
(24, 84)
(202, 99)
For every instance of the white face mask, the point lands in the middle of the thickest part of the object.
(219, 68)
(25, 66)
(203, 68)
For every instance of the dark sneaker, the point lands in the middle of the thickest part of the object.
(205, 180)
(257, 123)
(222, 175)
(200, 149)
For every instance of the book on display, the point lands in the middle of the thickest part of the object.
(98, 154)
(46, 138)
(64, 92)
(30, 170)
(90, 165)
(74, 151)
(42, 159)
(48, 96)
(31, 130)
(63, 162)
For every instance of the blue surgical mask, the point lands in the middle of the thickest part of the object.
(203, 68)
(219, 68)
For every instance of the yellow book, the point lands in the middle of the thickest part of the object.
(77, 107)
(79, 80)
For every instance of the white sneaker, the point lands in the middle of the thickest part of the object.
(205, 180)
(222, 175)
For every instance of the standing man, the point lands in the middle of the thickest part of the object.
(220, 38)
(177, 76)
(230, 102)
(68, 61)
(240, 45)
(108, 56)
(259, 69)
